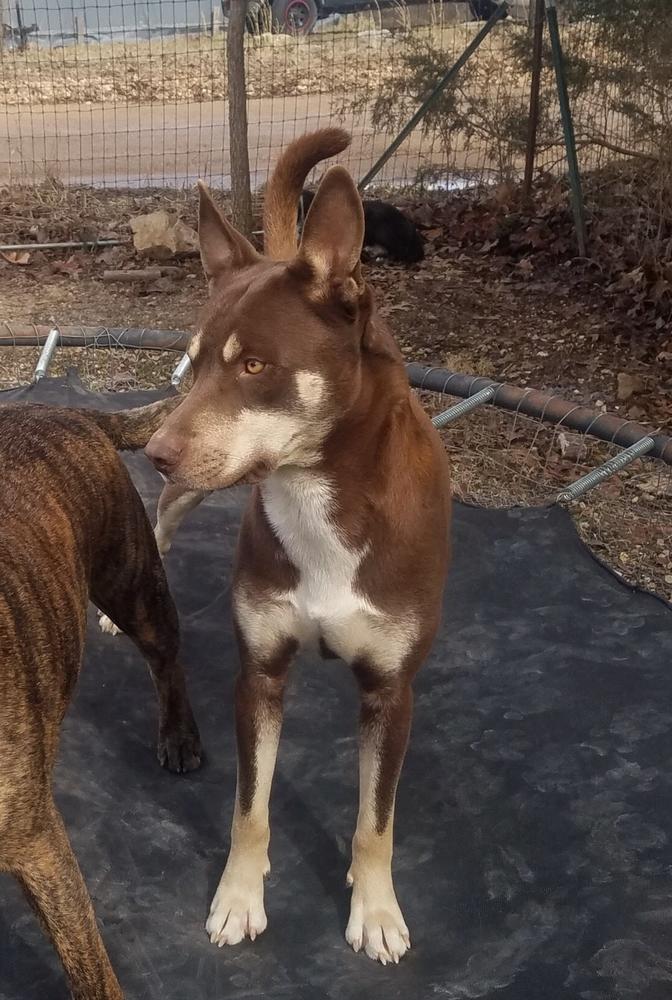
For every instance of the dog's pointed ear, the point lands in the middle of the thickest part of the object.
(332, 238)
(223, 248)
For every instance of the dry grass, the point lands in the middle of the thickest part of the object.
(52, 211)
(503, 460)
(100, 369)
(357, 58)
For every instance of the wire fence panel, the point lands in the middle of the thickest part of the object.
(134, 94)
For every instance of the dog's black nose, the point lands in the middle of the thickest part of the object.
(163, 454)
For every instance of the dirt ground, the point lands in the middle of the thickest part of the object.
(458, 310)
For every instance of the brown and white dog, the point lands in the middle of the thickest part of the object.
(300, 389)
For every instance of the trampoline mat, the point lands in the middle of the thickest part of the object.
(534, 813)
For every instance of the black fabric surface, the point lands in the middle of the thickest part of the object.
(533, 857)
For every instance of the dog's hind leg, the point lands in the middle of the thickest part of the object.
(51, 879)
(131, 588)
(174, 504)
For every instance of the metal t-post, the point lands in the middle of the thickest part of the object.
(537, 15)
(5, 21)
(432, 98)
(567, 126)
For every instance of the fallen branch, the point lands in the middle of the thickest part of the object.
(144, 274)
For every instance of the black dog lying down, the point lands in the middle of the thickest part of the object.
(386, 231)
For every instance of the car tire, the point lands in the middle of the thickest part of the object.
(295, 17)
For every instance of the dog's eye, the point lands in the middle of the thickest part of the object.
(253, 366)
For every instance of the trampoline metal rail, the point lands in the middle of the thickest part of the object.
(634, 440)
(518, 447)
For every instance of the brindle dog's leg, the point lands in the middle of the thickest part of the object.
(53, 883)
(131, 588)
(376, 922)
(237, 910)
(174, 504)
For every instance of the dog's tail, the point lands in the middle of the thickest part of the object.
(130, 430)
(286, 184)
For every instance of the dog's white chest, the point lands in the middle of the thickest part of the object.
(325, 603)
(298, 506)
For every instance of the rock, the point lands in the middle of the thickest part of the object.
(161, 234)
(627, 386)
(186, 238)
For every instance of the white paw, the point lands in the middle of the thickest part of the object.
(376, 925)
(237, 911)
(107, 625)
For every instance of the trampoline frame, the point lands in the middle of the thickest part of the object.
(635, 440)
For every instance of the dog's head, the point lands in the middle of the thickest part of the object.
(277, 358)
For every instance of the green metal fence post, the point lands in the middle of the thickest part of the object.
(537, 14)
(431, 98)
(567, 127)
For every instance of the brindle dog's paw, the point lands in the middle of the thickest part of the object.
(180, 752)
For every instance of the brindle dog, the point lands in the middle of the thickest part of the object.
(74, 527)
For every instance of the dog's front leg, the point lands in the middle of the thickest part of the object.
(376, 922)
(237, 910)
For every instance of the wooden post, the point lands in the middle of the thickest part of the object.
(241, 196)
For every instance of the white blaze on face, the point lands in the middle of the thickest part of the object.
(290, 437)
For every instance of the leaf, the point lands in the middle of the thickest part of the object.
(572, 446)
(536, 236)
(69, 267)
(20, 257)
(658, 290)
